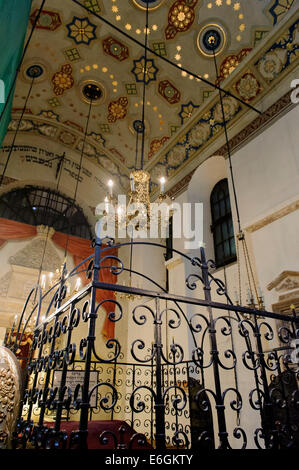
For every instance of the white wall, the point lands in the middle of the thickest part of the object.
(267, 169)
(266, 173)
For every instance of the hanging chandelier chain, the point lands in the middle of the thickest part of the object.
(22, 58)
(247, 270)
(16, 131)
(165, 59)
(239, 272)
(228, 147)
(79, 171)
(250, 268)
(136, 154)
(241, 236)
(144, 87)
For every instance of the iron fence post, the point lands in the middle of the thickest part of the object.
(159, 404)
(85, 405)
(220, 408)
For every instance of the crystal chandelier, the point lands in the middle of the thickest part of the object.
(139, 195)
(139, 205)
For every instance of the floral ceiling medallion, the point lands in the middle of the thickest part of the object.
(211, 38)
(116, 49)
(81, 30)
(186, 111)
(136, 125)
(150, 72)
(117, 109)
(169, 92)
(156, 145)
(48, 20)
(63, 80)
(152, 4)
(248, 87)
(180, 17)
(92, 91)
(230, 63)
(280, 8)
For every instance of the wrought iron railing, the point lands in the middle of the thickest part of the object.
(191, 373)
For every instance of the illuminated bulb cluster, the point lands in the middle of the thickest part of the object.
(51, 280)
(236, 7)
(110, 185)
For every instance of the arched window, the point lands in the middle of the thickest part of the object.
(222, 225)
(39, 206)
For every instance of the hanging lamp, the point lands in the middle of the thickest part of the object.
(139, 204)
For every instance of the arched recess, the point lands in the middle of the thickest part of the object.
(53, 187)
(199, 190)
(37, 205)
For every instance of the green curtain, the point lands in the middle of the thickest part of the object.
(14, 16)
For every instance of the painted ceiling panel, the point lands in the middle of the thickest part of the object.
(72, 49)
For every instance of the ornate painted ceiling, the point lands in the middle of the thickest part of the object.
(72, 48)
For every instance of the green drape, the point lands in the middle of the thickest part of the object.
(14, 16)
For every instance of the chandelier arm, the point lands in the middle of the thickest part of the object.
(204, 80)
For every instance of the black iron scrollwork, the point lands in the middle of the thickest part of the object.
(181, 392)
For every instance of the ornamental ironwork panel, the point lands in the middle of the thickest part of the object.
(197, 373)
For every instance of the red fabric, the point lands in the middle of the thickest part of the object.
(80, 249)
(121, 429)
(9, 230)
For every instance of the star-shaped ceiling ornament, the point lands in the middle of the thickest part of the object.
(150, 71)
(81, 30)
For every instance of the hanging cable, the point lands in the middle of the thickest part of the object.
(165, 59)
(16, 131)
(144, 87)
(13, 85)
(79, 173)
(59, 173)
(22, 58)
(136, 150)
(227, 145)
(240, 235)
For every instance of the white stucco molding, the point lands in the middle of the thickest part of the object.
(270, 93)
(275, 215)
(175, 261)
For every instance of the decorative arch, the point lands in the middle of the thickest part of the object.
(37, 205)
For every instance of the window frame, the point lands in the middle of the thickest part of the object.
(37, 205)
(219, 222)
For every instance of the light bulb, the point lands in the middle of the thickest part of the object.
(162, 181)
(78, 285)
(110, 184)
(43, 281)
(132, 183)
